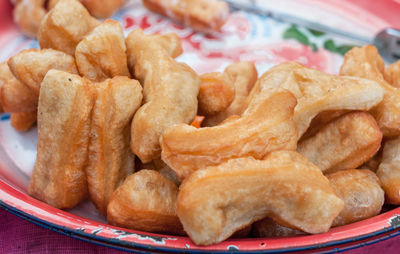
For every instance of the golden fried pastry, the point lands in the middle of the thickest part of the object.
(201, 15)
(259, 131)
(216, 93)
(366, 62)
(317, 92)
(344, 143)
(65, 26)
(28, 15)
(373, 163)
(244, 76)
(14, 95)
(145, 201)
(361, 192)
(269, 228)
(215, 202)
(389, 171)
(197, 122)
(170, 91)
(320, 121)
(65, 104)
(101, 54)
(102, 8)
(30, 66)
(392, 74)
(23, 121)
(110, 157)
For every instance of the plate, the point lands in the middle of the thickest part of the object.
(245, 37)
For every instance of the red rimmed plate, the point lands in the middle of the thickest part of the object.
(245, 37)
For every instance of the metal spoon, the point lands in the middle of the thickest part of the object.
(387, 41)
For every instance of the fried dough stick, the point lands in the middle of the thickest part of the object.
(344, 143)
(30, 66)
(146, 201)
(201, 15)
(65, 104)
(110, 157)
(101, 54)
(361, 192)
(392, 74)
(215, 202)
(366, 62)
(170, 90)
(318, 92)
(14, 95)
(23, 121)
(28, 15)
(259, 131)
(216, 93)
(244, 76)
(103, 8)
(65, 26)
(389, 171)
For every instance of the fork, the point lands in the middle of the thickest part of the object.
(387, 41)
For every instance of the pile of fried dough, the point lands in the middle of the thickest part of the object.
(295, 151)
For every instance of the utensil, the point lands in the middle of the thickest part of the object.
(387, 41)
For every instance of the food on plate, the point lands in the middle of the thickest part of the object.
(321, 120)
(170, 91)
(146, 201)
(110, 157)
(216, 93)
(23, 121)
(244, 76)
(259, 131)
(366, 62)
(344, 143)
(31, 66)
(103, 8)
(28, 15)
(215, 202)
(270, 228)
(389, 171)
(201, 15)
(392, 74)
(65, 26)
(101, 54)
(373, 163)
(361, 192)
(65, 104)
(317, 92)
(14, 95)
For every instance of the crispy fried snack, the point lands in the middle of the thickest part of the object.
(30, 66)
(373, 163)
(215, 202)
(14, 95)
(392, 74)
(389, 171)
(201, 15)
(102, 8)
(101, 54)
(65, 26)
(110, 157)
(344, 143)
(216, 93)
(259, 131)
(65, 104)
(320, 121)
(170, 90)
(269, 228)
(317, 91)
(23, 121)
(244, 75)
(361, 192)
(28, 14)
(146, 201)
(366, 62)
